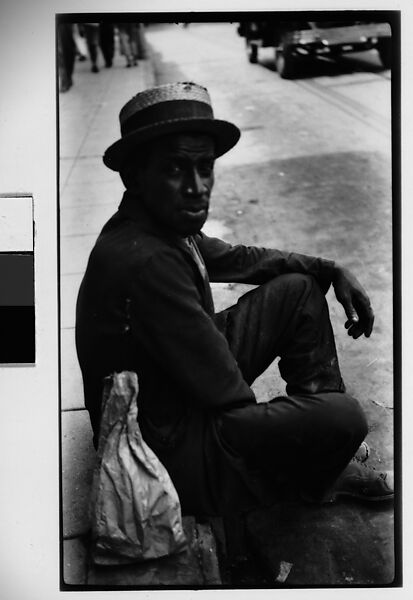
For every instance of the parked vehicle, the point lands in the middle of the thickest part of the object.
(297, 40)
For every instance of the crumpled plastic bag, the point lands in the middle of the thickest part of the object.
(134, 508)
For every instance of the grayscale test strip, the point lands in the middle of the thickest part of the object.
(17, 305)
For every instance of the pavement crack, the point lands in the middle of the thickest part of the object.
(382, 405)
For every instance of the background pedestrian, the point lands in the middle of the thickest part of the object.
(127, 43)
(107, 42)
(66, 55)
(92, 39)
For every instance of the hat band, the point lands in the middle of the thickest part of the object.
(167, 111)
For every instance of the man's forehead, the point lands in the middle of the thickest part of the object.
(185, 142)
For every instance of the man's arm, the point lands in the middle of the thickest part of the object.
(171, 326)
(255, 265)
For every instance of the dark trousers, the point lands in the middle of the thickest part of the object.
(66, 54)
(303, 439)
(92, 41)
(107, 41)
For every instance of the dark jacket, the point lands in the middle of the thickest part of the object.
(143, 305)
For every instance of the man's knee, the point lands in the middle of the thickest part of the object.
(295, 279)
(296, 285)
(298, 427)
(344, 417)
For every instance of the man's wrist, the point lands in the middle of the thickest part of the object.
(330, 270)
(338, 270)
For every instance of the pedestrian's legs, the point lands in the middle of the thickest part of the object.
(133, 43)
(80, 43)
(106, 39)
(92, 40)
(66, 55)
(137, 41)
(140, 41)
(125, 45)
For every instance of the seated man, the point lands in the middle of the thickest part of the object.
(145, 305)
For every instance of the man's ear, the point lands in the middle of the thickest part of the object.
(131, 176)
(136, 179)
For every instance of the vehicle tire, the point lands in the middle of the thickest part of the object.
(252, 52)
(384, 50)
(285, 63)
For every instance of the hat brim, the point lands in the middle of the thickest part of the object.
(224, 133)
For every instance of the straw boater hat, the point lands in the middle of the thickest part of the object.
(172, 108)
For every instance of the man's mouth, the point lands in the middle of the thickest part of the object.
(194, 212)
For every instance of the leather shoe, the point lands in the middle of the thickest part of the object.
(362, 482)
(362, 453)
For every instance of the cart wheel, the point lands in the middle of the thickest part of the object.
(252, 52)
(284, 63)
(384, 50)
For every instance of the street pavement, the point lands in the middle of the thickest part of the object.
(303, 144)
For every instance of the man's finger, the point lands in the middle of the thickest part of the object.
(349, 309)
(350, 323)
(370, 323)
(366, 317)
(365, 325)
(365, 313)
(355, 331)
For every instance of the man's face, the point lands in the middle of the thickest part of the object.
(177, 179)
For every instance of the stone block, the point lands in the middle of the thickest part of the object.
(74, 253)
(65, 168)
(91, 170)
(84, 220)
(74, 562)
(71, 377)
(108, 191)
(78, 461)
(69, 289)
(207, 552)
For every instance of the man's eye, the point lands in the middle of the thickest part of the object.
(206, 169)
(173, 169)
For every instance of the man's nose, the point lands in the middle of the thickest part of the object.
(194, 184)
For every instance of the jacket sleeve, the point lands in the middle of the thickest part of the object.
(173, 329)
(255, 265)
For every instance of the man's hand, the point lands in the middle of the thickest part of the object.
(355, 301)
